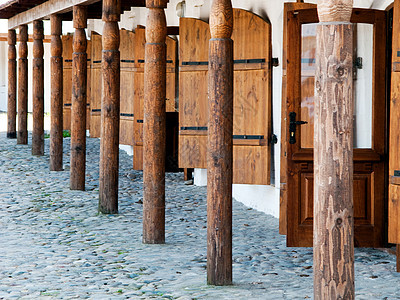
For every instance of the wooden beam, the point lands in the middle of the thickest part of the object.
(79, 99)
(4, 38)
(45, 10)
(220, 145)
(154, 127)
(333, 153)
(110, 108)
(22, 134)
(56, 130)
(12, 86)
(38, 89)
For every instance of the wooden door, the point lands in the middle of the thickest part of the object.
(369, 126)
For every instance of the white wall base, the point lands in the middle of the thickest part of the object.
(200, 177)
(127, 148)
(264, 198)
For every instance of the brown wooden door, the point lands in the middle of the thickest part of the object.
(369, 126)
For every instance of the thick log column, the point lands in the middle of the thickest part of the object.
(220, 149)
(38, 89)
(78, 111)
(110, 107)
(56, 130)
(154, 129)
(333, 153)
(12, 86)
(22, 137)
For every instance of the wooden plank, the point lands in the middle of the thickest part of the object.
(45, 10)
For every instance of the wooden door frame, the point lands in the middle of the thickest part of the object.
(289, 174)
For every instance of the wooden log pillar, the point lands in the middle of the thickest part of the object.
(220, 147)
(56, 106)
(12, 86)
(78, 110)
(22, 135)
(333, 153)
(154, 127)
(110, 108)
(38, 89)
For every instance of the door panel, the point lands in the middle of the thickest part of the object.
(369, 126)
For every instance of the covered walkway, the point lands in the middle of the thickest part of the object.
(53, 242)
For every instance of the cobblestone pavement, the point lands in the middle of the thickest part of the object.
(54, 244)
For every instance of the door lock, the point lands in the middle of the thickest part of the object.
(292, 127)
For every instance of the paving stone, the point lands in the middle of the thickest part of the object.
(54, 244)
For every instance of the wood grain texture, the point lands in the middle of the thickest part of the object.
(126, 132)
(369, 164)
(38, 89)
(335, 10)
(110, 110)
(252, 98)
(79, 95)
(394, 136)
(96, 83)
(22, 134)
(193, 92)
(67, 79)
(154, 129)
(220, 146)
(333, 159)
(56, 105)
(283, 201)
(12, 86)
(138, 104)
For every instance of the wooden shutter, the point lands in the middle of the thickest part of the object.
(96, 83)
(252, 96)
(252, 99)
(67, 41)
(138, 108)
(127, 45)
(67, 80)
(88, 82)
(138, 103)
(394, 134)
(194, 35)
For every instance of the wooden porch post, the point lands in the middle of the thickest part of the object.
(22, 136)
(333, 153)
(78, 110)
(12, 86)
(56, 130)
(154, 129)
(38, 89)
(110, 107)
(220, 148)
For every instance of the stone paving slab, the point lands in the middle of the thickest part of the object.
(54, 244)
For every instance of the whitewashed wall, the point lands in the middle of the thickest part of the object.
(264, 198)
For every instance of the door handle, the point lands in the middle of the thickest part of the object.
(292, 127)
